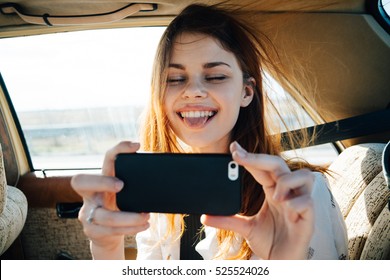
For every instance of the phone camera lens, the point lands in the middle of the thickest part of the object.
(233, 171)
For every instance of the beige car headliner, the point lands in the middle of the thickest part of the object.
(345, 51)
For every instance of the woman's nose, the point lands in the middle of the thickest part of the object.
(194, 89)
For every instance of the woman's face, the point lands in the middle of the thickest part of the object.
(205, 91)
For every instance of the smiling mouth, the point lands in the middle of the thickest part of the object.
(196, 119)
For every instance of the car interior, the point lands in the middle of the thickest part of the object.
(342, 45)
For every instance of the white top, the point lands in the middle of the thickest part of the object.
(329, 240)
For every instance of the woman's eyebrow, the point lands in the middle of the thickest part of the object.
(215, 64)
(176, 65)
(207, 65)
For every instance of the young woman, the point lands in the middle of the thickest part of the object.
(207, 97)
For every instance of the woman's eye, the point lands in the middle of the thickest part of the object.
(175, 80)
(218, 78)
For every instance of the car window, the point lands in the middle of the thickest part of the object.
(77, 94)
(293, 116)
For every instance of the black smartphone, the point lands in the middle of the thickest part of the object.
(179, 183)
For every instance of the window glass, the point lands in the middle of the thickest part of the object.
(77, 94)
(293, 116)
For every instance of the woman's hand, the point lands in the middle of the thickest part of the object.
(283, 227)
(103, 224)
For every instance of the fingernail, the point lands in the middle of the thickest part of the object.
(238, 145)
(118, 185)
(240, 154)
(134, 144)
(241, 149)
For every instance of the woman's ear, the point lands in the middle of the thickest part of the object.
(248, 92)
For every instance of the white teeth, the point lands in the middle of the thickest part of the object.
(196, 114)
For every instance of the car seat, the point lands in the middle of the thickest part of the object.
(13, 210)
(357, 181)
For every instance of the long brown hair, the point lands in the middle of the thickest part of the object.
(253, 51)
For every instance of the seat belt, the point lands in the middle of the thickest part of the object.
(191, 237)
(348, 128)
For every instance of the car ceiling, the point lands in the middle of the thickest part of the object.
(344, 50)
